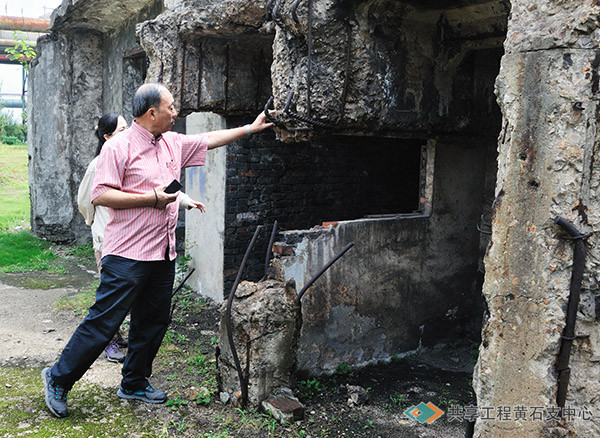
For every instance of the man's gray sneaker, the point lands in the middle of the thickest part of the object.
(113, 353)
(148, 395)
(56, 395)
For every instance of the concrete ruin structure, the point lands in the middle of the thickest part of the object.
(414, 128)
(265, 324)
(548, 91)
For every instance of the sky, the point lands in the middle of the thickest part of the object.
(27, 8)
(11, 76)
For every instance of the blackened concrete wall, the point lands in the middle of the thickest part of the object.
(408, 282)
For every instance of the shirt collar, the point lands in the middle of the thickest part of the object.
(144, 133)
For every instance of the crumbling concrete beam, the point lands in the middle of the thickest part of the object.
(100, 15)
(212, 59)
(385, 66)
(374, 67)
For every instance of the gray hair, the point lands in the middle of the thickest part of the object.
(146, 97)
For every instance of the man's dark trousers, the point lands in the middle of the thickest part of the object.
(142, 287)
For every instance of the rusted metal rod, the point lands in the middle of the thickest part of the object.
(267, 105)
(243, 378)
(294, 8)
(275, 14)
(308, 120)
(271, 240)
(270, 116)
(275, 10)
(309, 60)
(268, 9)
(482, 224)
(323, 269)
(568, 336)
(189, 274)
(24, 24)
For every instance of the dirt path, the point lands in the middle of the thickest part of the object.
(33, 332)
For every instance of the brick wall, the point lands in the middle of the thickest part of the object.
(304, 184)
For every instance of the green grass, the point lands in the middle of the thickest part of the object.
(23, 410)
(22, 252)
(80, 302)
(14, 188)
(19, 250)
(83, 252)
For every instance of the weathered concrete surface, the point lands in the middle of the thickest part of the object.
(408, 282)
(64, 104)
(386, 66)
(204, 241)
(265, 323)
(377, 67)
(546, 169)
(103, 16)
(213, 56)
(552, 24)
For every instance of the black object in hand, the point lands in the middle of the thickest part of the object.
(173, 187)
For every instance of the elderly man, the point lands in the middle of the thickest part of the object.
(138, 256)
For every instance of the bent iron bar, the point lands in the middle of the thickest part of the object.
(322, 271)
(568, 336)
(189, 274)
(270, 117)
(271, 240)
(275, 15)
(308, 120)
(243, 378)
(294, 8)
(268, 9)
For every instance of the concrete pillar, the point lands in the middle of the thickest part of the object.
(65, 87)
(548, 93)
(204, 233)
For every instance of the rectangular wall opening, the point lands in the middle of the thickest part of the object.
(382, 177)
(302, 185)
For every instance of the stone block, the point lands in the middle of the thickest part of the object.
(283, 406)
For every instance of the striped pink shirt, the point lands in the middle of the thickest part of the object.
(135, 162)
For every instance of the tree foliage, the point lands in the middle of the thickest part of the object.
(23, 51)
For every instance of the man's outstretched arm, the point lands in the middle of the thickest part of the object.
(226, 136)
